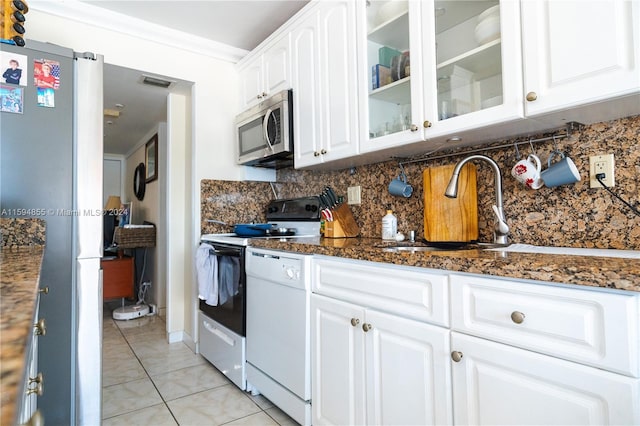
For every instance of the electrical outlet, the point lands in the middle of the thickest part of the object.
(601, 164)
(353, 195)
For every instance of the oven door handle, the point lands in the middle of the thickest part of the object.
(223, 252)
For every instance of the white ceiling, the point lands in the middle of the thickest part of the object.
(240, 23)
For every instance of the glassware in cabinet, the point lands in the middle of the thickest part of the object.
(468, 56)
(389, 61)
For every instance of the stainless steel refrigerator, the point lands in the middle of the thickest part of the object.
(51, 156)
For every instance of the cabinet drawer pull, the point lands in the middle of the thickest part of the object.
(532, 96)
(517, 317)
(366, 327)
(44, 290)
(40, 327)
(355, 321)
(456, 356)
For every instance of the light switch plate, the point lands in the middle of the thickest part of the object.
(603, 163)
(353, 195)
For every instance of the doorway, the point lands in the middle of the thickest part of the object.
(136, 113)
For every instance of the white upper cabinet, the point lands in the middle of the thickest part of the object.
(266, 73)
(325, 85)
(438, 68)
(307, 130)
(578, 53)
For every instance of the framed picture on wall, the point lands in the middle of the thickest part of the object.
(151, 159)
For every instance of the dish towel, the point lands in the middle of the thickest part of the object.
(229, 278)
(207, 274)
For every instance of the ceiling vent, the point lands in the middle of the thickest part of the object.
(157, 81)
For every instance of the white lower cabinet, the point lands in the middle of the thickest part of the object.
(497, 384)
(513, 352)
(379, 353)
(531, 353)
(371, 367)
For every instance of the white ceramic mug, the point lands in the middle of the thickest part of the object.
(527, 171)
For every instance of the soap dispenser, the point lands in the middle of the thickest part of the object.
(389, 225)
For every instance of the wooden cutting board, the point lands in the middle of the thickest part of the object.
(450, 219)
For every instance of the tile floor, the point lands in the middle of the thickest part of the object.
(147, 381)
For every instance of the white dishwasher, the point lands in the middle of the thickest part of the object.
(278, 329)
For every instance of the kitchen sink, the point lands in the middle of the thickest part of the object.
(573, 251)
(404, 248)
(515, 248)
(411, 249)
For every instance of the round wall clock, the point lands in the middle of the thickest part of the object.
(139, 182)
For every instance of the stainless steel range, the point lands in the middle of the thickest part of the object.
(222, 284)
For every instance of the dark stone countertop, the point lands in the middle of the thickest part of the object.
(606, 272)
(19, 285)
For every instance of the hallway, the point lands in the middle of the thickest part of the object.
(149, 381)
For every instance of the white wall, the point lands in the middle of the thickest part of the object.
(149, 210)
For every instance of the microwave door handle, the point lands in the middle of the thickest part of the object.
(265, 124)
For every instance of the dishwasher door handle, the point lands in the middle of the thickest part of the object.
(270, 256)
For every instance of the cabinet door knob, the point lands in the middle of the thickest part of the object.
(413, 128)
(532, 96)
(38, 389)
(40, 327)
(456, 356)
(38, 379)
(366, 327)
(44, 290)
(426, 124)
(355, 321)
(323, 151)
(264, 94)
(316, 154)
(259, 97)
(517, 317)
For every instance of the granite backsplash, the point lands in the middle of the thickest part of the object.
(19, 232)
(571, 215)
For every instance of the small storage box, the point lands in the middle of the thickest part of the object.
(385, 54)
(380, 75)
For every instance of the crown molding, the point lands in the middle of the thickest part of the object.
(113, 21)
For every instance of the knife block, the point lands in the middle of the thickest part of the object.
(343, 224)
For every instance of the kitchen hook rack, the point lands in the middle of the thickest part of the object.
(571, 126)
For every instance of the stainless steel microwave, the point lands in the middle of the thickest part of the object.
(265, 132)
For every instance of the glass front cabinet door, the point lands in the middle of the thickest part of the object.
(440, 71)
(390, 67)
